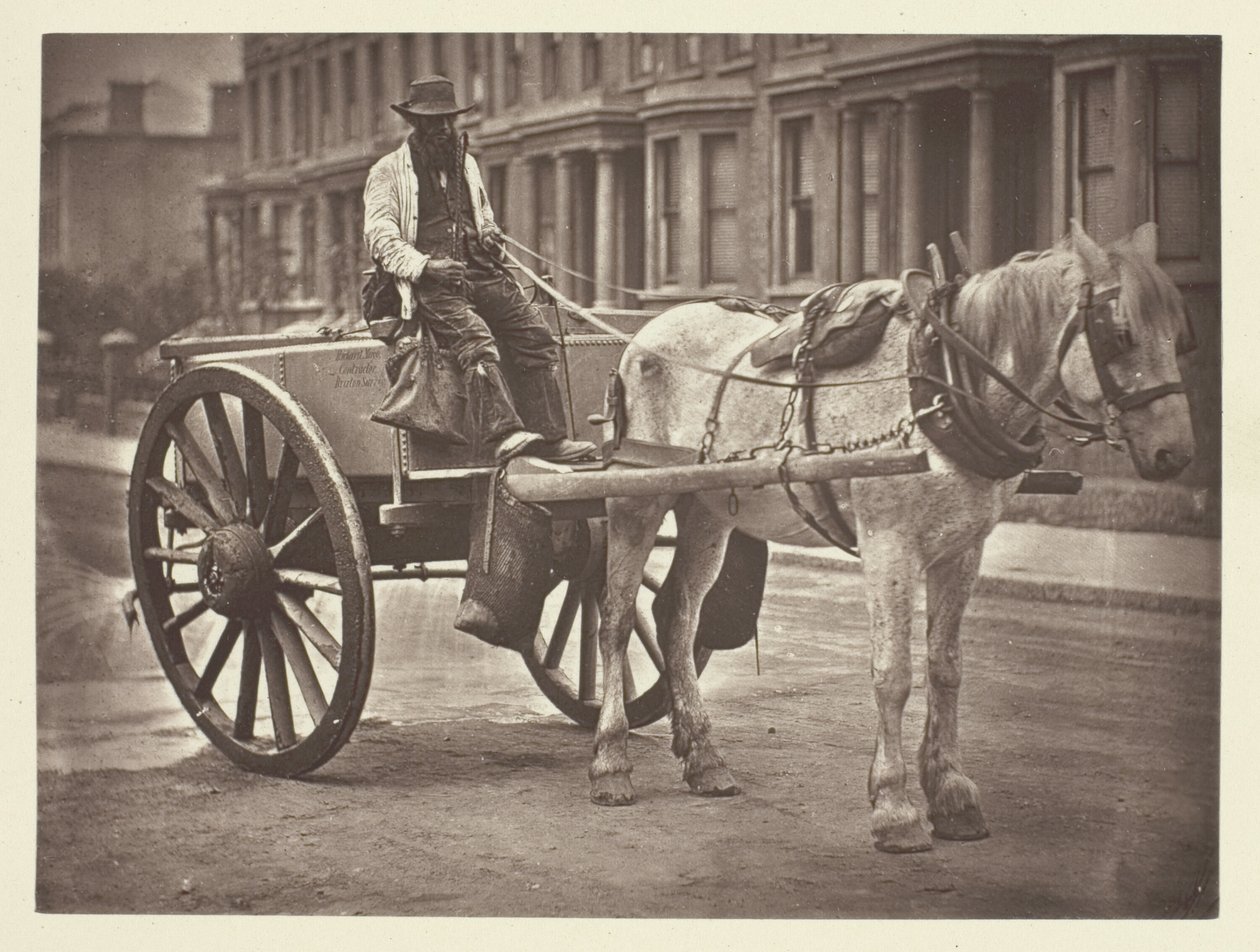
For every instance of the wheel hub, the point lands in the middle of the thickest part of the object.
(235, 571)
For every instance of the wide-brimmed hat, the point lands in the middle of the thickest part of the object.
(430, 96)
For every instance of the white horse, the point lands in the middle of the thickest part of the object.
(1022, 315)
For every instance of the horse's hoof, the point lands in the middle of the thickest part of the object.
(612, 790)
(967, 824)
(717, 782)
(911, 838)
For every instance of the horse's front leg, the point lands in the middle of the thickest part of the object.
(632, 525)
(890, 571)
(697, 562)
(953, 800)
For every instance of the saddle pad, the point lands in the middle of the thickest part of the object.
(845, 335)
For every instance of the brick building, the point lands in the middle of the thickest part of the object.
(693, 164)
(119, 191)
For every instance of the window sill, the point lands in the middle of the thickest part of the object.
(690, 72)
(638, 83)
(809, 49)
(797, 287)
(737, 65)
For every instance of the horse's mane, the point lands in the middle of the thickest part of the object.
(1001, 310)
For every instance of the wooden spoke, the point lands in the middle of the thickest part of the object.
(225, 448)
(255, 461)
(564, 624)
(278, 550)
(589, 646)
(645, 629)
(183, 503)
(177, 622)
(237, 449)
(196, 460)
(309, 581)
(277, 686)
(652, 584)
(218, 658)
(312, 629)
(281, 493)
(170, 555)
(298, 660)
(247, 699)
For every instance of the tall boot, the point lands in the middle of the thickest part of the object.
(539, 403)
(491, 415)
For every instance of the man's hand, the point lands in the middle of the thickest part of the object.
(494, 242)
(445, 271)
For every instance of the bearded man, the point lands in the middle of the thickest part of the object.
(428, 222)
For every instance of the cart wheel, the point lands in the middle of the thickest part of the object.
(248, 552)
(570, 676)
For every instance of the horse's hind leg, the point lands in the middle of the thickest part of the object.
(697, 563)
(953, 800)
(632, 525)
(898, 826)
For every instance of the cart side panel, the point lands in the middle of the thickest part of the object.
(339, 383)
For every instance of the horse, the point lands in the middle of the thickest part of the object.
(1025, 315)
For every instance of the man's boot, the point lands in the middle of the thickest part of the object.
(541, 408)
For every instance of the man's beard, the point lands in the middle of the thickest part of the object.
(436, 150)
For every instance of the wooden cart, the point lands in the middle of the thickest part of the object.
(264, 505)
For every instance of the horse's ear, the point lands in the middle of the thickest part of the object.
(1091, 256)
(1143, 242)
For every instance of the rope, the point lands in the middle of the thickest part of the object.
(637, 292)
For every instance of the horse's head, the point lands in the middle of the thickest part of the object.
(1121, 357)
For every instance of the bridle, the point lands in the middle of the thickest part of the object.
(1098, 315)
(1108, 338)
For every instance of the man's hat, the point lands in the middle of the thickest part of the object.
(430, 96)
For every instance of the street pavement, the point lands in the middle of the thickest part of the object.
(1021, 560)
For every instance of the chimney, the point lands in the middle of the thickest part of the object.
(225, 112)
(126, 107)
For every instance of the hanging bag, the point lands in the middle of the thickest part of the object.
(426, 393)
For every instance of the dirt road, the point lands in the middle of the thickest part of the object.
(1093, 734)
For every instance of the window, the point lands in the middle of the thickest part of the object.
(338, 264)
(872, 176)
(1178, 154)
(737, 45)
(299, 127)
(306, 264)
(437, 53)
(472, 68)
(687, 50)
(491, 72)
(284, 238)
(254, 251)
(255, 120)
(721, 225)
(792, 42)
(349, 96)
(323, 83)
(511, 68)
(407, 59)
(376, 88)
(668, 202)
(798, 198)
(1092, 154)
(592, 59)
(643, 56)
(545, 207)
(275, 109)
(550, 64)
(496, 188)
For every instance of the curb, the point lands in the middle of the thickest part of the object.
(1043, 590)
